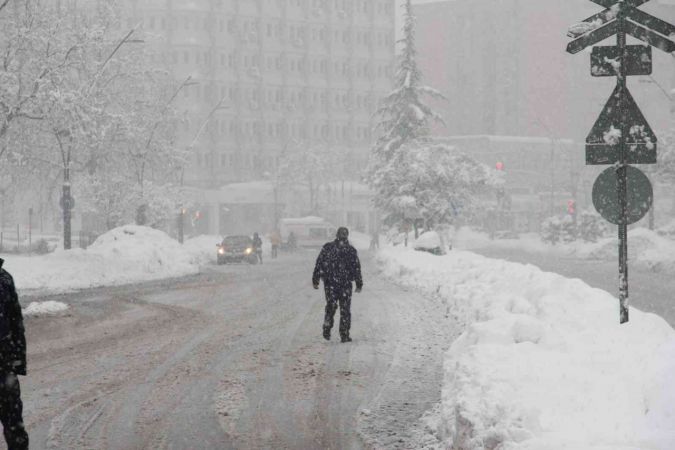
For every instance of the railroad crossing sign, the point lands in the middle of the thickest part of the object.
(636, 23)
(603, 142)
(639, 195)
(621, 135)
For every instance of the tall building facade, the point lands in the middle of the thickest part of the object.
(290, 75)
(503, 66)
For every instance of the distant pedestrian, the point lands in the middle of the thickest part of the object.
(275, 240)
(292, 241)
(338, 266)
(375, 241)
(257, 247)
(12, 363)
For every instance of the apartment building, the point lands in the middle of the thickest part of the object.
(290, 75)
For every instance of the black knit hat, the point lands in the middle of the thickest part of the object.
(342, 234)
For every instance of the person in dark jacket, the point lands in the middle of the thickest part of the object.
(338, 266)
(257, 247)
(12, 363)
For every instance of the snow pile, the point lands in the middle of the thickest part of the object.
(202, 249)
(645, 248)
(428, 241)
(543, 362)
(128, 254)
(44, 308)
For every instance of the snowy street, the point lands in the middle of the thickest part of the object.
(233, 358)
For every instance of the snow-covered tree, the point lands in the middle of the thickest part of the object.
(415, 179)
(429, 181)
(403, 113)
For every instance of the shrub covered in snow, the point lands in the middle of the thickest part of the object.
(588, 227)
(591, 226)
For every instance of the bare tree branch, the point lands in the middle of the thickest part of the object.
(3, 5)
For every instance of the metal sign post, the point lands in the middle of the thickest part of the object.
(621, 135)
(623, 205)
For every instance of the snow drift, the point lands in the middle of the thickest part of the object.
(124, 255)
(543, 362)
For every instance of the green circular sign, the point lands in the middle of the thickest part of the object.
(639, 195)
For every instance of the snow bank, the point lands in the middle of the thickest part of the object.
(128, 254)
(428, 241)
(202, 249)
(645, 248)
(44, 308)
(543, 362)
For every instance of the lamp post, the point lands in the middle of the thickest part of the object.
(181, 211)
(67, 202)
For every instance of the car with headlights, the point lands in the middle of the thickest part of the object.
(236, 249)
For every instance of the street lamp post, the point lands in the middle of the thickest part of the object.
(181, 211)
(67, 201)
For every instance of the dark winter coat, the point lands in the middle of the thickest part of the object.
(12, 335)
(338, 265)
(257, 243)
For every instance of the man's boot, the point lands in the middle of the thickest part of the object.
(346, 339)
(326, 333)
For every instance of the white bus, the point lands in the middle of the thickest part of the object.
(308, 231)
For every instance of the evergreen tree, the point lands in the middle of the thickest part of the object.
(404, 116)
(404, 125)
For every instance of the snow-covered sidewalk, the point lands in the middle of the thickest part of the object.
(128, 254)
(543, 362)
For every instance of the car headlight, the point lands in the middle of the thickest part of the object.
(221, 251)
(249, 251)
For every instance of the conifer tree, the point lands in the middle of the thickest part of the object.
(404, 116)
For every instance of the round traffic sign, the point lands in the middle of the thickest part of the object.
(67, 202)
(639, 195)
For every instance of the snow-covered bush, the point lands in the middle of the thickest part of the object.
(551, 229)
(591, 227)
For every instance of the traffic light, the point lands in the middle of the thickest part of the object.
(571, 207)
(499, 166)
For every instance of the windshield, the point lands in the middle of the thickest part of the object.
(237, 241)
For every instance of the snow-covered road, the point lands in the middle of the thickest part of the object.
(233, 358)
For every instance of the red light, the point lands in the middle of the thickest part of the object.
(571, 206)
(499, 165)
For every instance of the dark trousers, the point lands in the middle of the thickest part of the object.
(11, 411)
(342, 296)
(275, 251)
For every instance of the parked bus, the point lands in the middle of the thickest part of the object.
(308, 231)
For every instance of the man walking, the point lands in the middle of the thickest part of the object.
(12, 363)
(338, 265)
